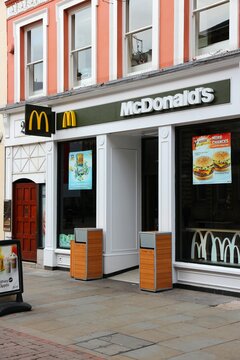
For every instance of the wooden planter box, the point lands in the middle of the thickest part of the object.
(86, 254)
(155, 261)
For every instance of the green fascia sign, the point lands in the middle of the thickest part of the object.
(209, 94)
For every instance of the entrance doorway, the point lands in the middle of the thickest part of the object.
(150, 184)
(25, 218)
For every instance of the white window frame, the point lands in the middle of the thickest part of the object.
(222, 46)
(83, 82)
(154, 64)
(28, 80)
(60, 9)
(17, 26)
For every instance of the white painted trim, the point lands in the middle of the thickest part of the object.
(50, 258)
(60, 8)
(28, 20)
(101, 201)
(234, 24)
(179, 17)
(165, 180)
(113, 40)
(212, 277)
(38, 178)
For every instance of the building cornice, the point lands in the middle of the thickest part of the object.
(182, 70)
(15, 8)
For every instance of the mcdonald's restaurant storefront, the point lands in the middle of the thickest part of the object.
(164, 159)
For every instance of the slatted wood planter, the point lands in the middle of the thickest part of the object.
(86, 254)
(155, 261)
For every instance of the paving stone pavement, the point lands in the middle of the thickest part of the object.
(16, 345)
(108, 319)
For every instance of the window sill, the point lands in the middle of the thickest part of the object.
(84, 83)
(35, 96)
(139, 72)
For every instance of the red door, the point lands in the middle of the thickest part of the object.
(25, 218)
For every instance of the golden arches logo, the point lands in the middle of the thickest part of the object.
(39, 120)
(69, 119)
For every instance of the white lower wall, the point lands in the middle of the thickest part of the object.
(205, 276)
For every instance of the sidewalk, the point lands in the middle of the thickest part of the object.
(109, 319)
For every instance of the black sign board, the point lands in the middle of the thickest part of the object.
(39, 120)
(11, 280)
(11, 277)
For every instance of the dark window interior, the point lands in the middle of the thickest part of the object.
(76, 208)
(149, 184)
(214, 207)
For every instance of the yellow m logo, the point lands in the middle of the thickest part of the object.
(69, 119)
(39, 120)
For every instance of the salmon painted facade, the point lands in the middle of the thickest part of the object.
(110, 105)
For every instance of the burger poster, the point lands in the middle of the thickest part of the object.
(212, 159)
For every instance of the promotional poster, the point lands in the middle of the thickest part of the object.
(212, 159)
(80, 170)
(9, 271)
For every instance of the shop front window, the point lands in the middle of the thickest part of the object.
(76, 188)
(208, 194)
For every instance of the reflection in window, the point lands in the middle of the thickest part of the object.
(81, 48)
(212, 25)
(139, 33)
(76, 208)
(208, 225)
(34, 43)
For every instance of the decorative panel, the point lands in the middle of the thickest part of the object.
(29, 159)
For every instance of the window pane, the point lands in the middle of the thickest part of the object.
(207, 207)
(140, 47)
(82, 65)
(140, 14)
(76, 208)
(81, 28)
(35, 44)
(213, 26)
(37, 76)
(203, 3)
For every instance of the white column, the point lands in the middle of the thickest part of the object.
(166, 190)
(8, 181)
(113, 26)
(102, 186)
(51, 205)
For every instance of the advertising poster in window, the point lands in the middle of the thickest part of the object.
(80, 170)
(9, 269)
(212, 159)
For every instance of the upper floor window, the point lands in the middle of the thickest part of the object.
(212, 26)
(139, 35)
(81, 46)
(30, 55)
(34, 60)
